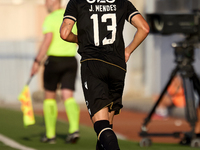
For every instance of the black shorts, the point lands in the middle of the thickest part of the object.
(60, 71)
(102, 85)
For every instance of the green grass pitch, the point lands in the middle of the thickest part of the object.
(11, 125)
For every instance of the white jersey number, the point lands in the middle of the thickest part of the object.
(111, 27)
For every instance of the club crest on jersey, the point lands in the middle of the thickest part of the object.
(100, 1)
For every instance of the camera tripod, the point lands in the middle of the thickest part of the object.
(184, 53)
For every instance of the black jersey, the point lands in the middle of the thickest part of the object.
(100, 24)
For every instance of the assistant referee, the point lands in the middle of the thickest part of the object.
(60, 72)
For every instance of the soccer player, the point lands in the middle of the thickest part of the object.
(60, 72)
(103, 57)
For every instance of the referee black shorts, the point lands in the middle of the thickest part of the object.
(102, 85)
(60, 71)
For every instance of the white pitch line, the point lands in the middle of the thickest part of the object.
(11, 143)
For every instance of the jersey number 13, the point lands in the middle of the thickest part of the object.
(111, 28)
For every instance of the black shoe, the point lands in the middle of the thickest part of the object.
(44, 139)
(72, 138)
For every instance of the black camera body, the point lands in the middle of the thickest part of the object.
(164, 23)
(187, 24)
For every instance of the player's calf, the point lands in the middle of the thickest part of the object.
(106, 136)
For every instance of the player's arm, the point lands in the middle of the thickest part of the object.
(66, 31)
(142, 31)
(42, 52)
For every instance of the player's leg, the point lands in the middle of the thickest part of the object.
(50, 116)
(103, 129)
(99, 146)
(115, 89)
(111, 117)
(73, 114)
(94, 75)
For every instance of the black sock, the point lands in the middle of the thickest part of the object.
(107, 137)
(99, 146)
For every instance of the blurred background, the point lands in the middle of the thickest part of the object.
(21, 34)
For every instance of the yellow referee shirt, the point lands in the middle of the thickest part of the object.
(58, 47)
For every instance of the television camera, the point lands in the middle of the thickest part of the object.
(168, 23)
(189, 25)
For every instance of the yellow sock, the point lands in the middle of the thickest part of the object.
(73, 114)
(50, 116)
